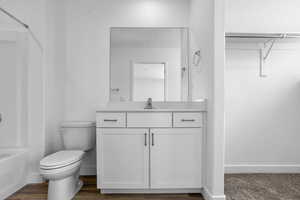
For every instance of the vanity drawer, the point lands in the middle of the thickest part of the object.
(188, 119)
(111, 120)
(150, 120)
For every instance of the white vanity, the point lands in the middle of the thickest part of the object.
(150, 151)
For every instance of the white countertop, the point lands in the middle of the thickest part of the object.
(150, 110)
(158, 107)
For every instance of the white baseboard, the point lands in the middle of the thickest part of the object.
(248, 169)
(208, 196)
(34, 178)
(88, 170)
(150, 191)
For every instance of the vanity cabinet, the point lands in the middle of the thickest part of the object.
(124, 156)
(149, 151)
(175, 158)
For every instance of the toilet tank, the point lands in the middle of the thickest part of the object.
(78, 135)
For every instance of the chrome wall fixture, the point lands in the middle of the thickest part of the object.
(269, 40)
(14, 18)
(26, 26)
(197, 58)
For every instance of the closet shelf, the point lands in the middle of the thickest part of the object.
(267, 40)
(262, 35)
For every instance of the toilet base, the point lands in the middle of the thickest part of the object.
(64, 189)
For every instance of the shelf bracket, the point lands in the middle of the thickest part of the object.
(261, 63)
(264, 53)
(269, 49)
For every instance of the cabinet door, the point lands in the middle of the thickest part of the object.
(123, 158)
(176, 158)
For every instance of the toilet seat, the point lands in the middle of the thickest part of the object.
(60, 170)
(61, 159)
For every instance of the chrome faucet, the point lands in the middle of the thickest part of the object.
(149, 104)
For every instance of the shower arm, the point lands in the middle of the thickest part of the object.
(26, 26)
(14, 18)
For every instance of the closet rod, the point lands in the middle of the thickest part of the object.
(262, 35)
(14, 18)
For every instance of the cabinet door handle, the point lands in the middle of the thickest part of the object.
(145, 139)
(152, 135)
(110, 120)
(188, 120)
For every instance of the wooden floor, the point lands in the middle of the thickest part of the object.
(90, 192)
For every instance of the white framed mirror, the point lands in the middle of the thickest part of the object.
(149, 63)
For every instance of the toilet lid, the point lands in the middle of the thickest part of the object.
(61, 159)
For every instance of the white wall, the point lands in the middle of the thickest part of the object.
(207, 28)
(199, 74)
(33, 13)
(262, 114)
(87, 86)
(55, 72)
(262, 16)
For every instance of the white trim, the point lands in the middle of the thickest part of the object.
(34, 178)
(149, 191)
(208, 196)
(88, 170)
(242, 169)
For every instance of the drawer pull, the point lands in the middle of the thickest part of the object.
(110, 120)
(188, 120)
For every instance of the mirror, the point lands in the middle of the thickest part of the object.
(149, 63)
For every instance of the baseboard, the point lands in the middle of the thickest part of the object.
(34, 178)
(150, 191)
(208, 196)
(248, 169)
(88, 170)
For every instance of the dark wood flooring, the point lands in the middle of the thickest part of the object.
(90, 192)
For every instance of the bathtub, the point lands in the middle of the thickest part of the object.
(13, 171)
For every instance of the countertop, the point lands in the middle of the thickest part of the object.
(158, 107)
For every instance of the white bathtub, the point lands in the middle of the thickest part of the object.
(13, 171)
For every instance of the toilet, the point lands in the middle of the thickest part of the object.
(62, 168)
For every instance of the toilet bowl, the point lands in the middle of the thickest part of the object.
(62, 168)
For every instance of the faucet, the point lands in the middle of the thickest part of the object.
(149, 104)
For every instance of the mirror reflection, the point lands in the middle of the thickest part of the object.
(149, 63)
